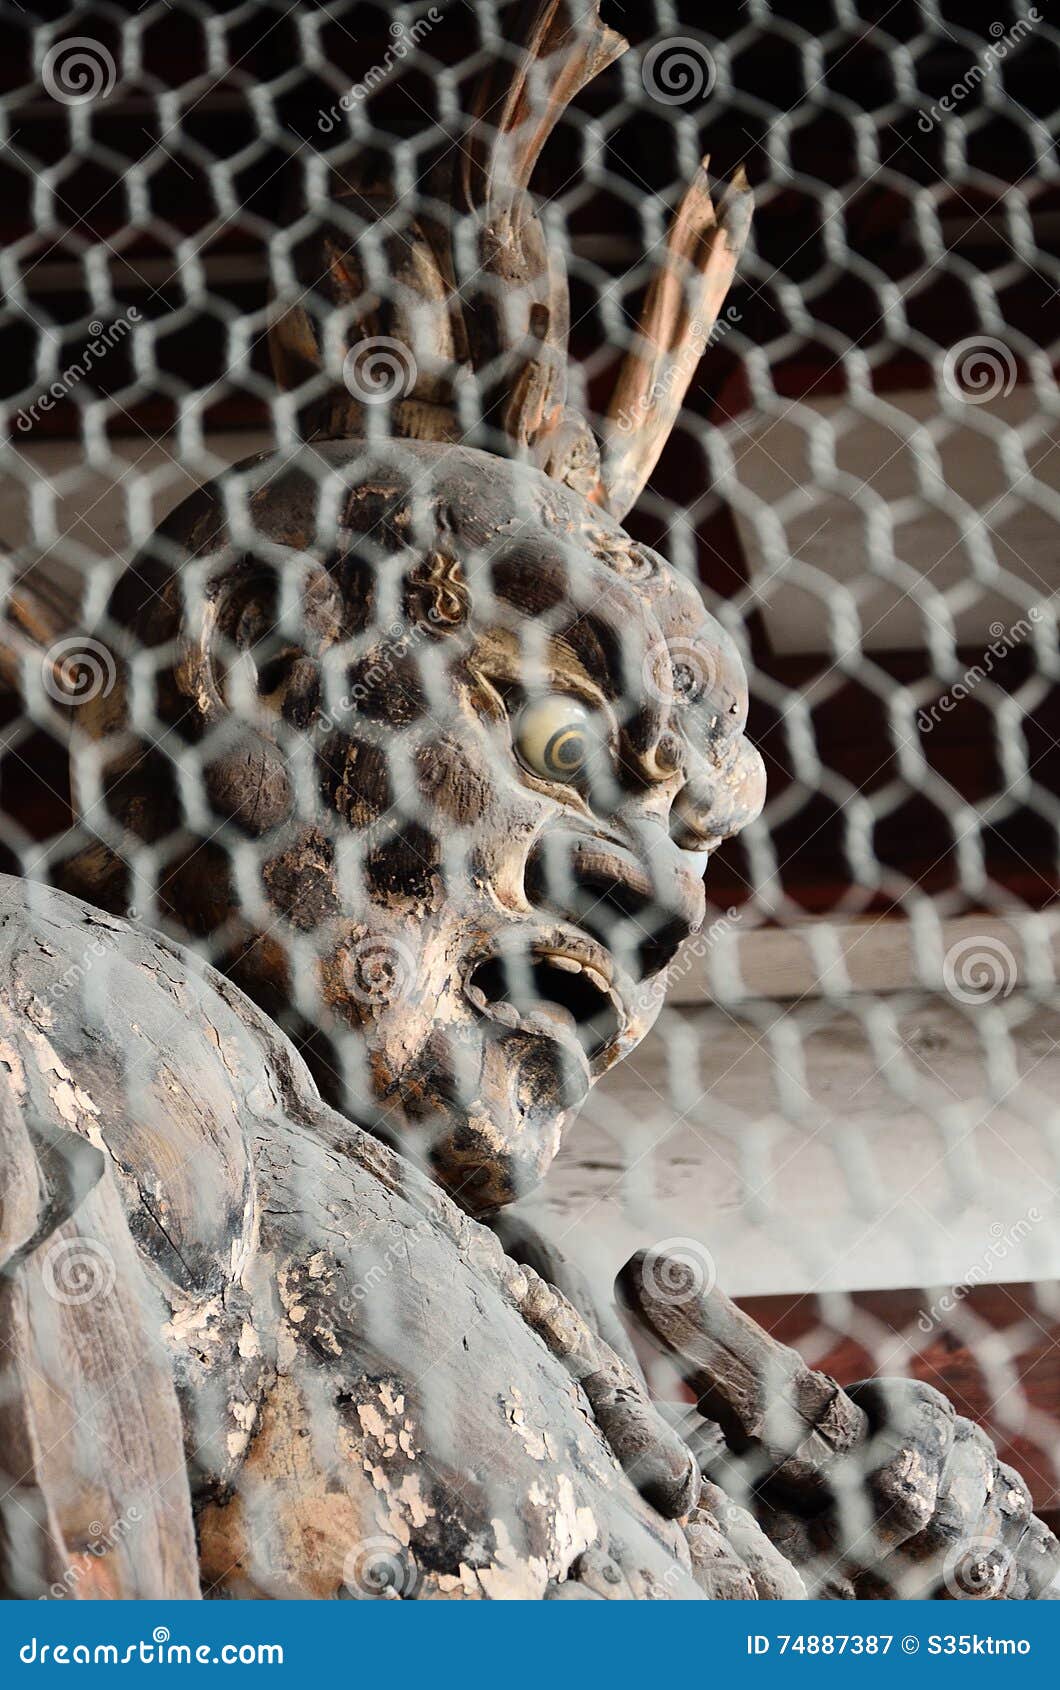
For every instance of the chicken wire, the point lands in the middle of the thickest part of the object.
(828, 1136)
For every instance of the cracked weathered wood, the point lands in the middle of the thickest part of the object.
(89, 1423)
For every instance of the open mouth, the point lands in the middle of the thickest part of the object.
(545, 985)
(611, 897)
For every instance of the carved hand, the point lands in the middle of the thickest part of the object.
(879, 1491)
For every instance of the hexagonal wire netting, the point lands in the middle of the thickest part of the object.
(847, 1111)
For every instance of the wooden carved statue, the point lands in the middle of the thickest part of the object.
(250, 1351)
(414, 743)
(449, 751)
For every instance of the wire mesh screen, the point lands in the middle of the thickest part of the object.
(581, 658)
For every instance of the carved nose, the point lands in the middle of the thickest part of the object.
(640, 916)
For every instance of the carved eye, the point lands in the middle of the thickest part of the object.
(555, 737)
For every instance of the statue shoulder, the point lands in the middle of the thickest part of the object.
(117, 1038)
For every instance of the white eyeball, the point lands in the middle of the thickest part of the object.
(555, 737)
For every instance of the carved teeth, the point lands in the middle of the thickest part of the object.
(571, 965)
(532, 1003)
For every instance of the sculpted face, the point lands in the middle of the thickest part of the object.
(444, 755)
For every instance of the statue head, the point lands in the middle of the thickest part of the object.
(443, 754)
(442, 751)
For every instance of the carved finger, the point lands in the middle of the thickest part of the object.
(773, 1575)
(976, 1566)
(1016, 1511)
(523, 1243)
(1038, 1559)
(704, 1438)
(599, 1574)
(912, 1436)
(717, 1568)
(762, 1394)
(960, 1552)
(1029, 1540)
(808, 1546)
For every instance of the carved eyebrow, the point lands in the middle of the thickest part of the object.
(554, 662)
(597, 649)
(559, 670)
